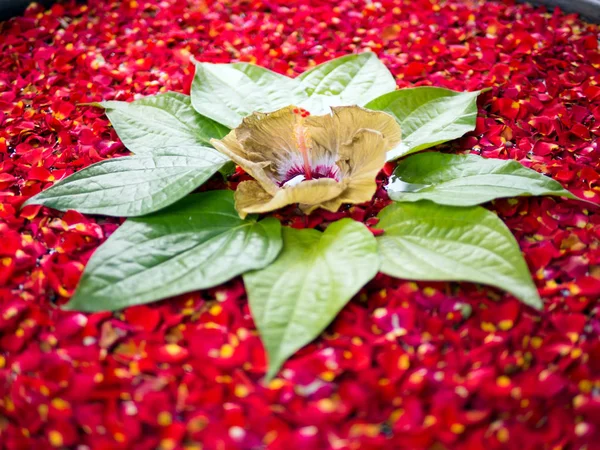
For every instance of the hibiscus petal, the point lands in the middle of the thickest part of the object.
(366, 155)
(274, 138)
(335, 130)
(352, 120)
(252, 164)
(269, 136)
(250, 197)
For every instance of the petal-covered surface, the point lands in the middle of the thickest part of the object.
(407, 365)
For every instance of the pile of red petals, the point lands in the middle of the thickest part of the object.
(405, 365)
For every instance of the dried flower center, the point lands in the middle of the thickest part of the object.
(308, 170)
(298, 174)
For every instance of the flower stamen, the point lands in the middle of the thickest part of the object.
(300, 131)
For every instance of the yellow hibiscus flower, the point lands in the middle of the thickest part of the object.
(315, 161)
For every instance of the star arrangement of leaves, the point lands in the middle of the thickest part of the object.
(318, 140)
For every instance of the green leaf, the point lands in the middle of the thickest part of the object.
(425, 241)
(229, 92)
(316, 274)
(228, 169)
(197, 243)
(428, 116)
(162, 121)
(349, 80)
(466, 180)
(133, 185)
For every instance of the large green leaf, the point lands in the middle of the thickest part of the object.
(316, 274)
(349, 80)
(229, 92)
(425, 241)
(166, 120)
(133, 185)
(428, 116)
(466, 180)
(197, 243)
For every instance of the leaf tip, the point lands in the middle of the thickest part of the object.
(531, 298)
(94, 104)
(68, 306)
(272, 372)
(536, 303)
(572, 196)
(274, 363)
(77, 303)
(30, 201)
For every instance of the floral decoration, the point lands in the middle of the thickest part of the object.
(315, 161)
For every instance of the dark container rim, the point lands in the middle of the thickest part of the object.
(588, 9)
